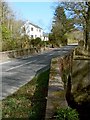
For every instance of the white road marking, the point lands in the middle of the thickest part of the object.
(1, 63)
(19, 66)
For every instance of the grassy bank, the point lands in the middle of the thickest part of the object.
(22, 102)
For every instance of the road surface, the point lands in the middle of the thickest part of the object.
(18, 72)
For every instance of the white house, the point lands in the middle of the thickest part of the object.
(45, 37)
(32, 30)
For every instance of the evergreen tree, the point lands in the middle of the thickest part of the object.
(61, 26)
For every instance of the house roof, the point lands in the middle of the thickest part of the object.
(33, 24)
(45, 34)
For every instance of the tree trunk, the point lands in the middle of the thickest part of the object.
(87, 31)
(89, 27)
(86, 37)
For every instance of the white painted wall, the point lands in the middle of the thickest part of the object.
(45, 38)
(33, 31)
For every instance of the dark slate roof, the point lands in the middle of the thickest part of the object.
(34, 25)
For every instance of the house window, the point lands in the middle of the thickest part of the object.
(39, 30)
(31, 36)
(31, 29)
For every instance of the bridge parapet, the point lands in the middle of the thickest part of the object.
(61, 68)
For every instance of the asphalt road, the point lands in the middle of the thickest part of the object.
(18, 72)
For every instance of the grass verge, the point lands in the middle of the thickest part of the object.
(21, 103)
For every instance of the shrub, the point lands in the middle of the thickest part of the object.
(67, 114)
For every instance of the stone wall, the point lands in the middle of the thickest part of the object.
(65, 67)
(18, 53)
(61, 67)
